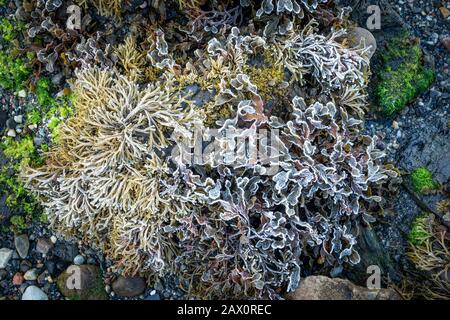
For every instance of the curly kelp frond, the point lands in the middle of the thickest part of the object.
(331, 64)
(260, 229)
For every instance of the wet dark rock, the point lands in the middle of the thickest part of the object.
(129, 286)
(3, 274)
(82, 283)
(446, 43)
(3, 119)
(61, 266)
(25, 265)
(44, 245)
(42, 278)
(50, 265)
(65, 251)
(10, 123)
(372, 253)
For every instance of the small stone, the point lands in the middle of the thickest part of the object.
(395, 125)
(10, 123)
(34, 293)
(44, 245)
(22, 245)
(129, 286)
(3, 274)
(11, 133)
(65, 251)
(42, 278)
(18, 119)
(31, 275)
(22, 93)
(446, 43)
(50, 265)
(445, 12)
(25, 265)
(56, 79)
(53, 239)
(5, 256)
(18, 279)
(78, 260)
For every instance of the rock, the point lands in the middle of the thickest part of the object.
(78, 260)
(11, 133)
(44, 245)
(82, 283)
(34, 293)
(18, 279)
(3, 274)
(42, 278)
(25, 265)
(22, 93)
(324, 288)
(445, 12)
(446, 43)
(22, 245)
(18, 119)
(53, 239)
(31, 275)
(129, 286)
(65, 251)
(5, 256)
(372, 252)
(360, 35)
(50, 265)
(57, 78)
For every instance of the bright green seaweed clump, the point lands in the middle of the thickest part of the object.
(7, 30)
(13, 72)
(43, 88)
(419, 231)
(422, 180)
(24, 207)
(22, 150)
(402, 77)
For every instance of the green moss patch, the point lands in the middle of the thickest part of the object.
(90, 281)
(402, 77)
(422, 180)
(13, 72)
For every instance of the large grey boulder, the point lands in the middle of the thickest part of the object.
(324, 288)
